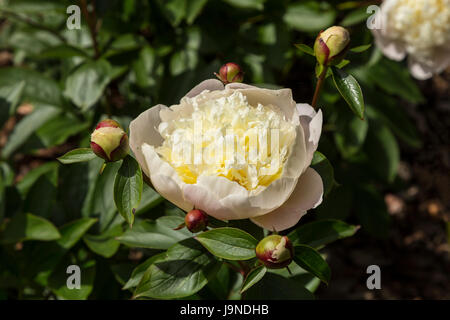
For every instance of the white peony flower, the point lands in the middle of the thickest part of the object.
(235, 152)
(419, 28)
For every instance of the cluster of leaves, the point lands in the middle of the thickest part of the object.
(141, 53)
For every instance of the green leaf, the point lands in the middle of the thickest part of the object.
(350, 90)
(309, 16)
(59, 129)
(309, 259)
(350, 134)
(49, 168)
(383, 150)
(61, 52)
(38, 88)
(9, 99)
(193, 9)
(253, 277)
(323, 166)
(27, 126)
(229, 243)
(185, 270)
(104, 244)
(360, 49)
(150, 199)
(25, 226)
(139, 271)
(128, 188)
(395, 79)
(159, 234)
(72, 232)
(77, 155)
(354, 17)
(85, 86)
(99, 201)
(319, 233)
(249, 4)
(276, 287)
(305, 48)
(371, 212)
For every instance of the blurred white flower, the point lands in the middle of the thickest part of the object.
(184, 150)
(419, 29)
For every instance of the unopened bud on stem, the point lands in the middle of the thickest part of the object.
(230, 72)
(196, 220)
(275, 251)
(331, 45)
(109, 141)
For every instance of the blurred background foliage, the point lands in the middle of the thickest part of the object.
(56, 84)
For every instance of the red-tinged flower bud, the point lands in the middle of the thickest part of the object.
(230, 72)
(196, 220)
(275, 251)
(331, 45)
(109, 141)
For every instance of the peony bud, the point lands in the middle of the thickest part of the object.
(109, 141)
(196, 220)
(331, 45)
(230, 72)
(275, 251)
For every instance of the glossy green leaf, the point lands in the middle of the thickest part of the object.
(72, 232)
(99, 201)
(128, 188)
(85, 86)
(61, 52)
(310, 259)
(139, 271)
(159, 234)
(27, 126)
(185, 270)
(350, 134)
(104, 244)
(395, 79)
(253, 277)
(77, 155)
(361, 48)
(309, 16)
(371, 212)
(323, 166)
(229, 243)
(25, 226)
(9, 99)
(38, 87)
(350, 90)
(319, 233)
(49, 168)
(250, 4)
(305, 48)
(382, 149)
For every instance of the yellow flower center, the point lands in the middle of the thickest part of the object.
(230, 138)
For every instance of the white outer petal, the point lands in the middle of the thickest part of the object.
(144, 129)
(210, 84)
(311, 122)
(307, 195)
(419, 70)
